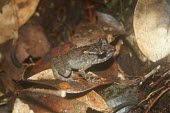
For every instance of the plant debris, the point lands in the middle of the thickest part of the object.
(34, 33)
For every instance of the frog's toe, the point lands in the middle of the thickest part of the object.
(94, 79)
(67, 79)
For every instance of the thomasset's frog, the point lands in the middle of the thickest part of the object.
(81, 59)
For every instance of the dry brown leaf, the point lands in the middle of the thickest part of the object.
(78, 85)
(15, 14)
(109, 22)
(94, 101)
(44, 75)
(32, 42)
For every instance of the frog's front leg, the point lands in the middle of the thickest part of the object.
(88, 77)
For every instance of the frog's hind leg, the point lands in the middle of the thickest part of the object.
(62, 71)
(58, 76)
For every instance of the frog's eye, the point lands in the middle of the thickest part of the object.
(101, 56)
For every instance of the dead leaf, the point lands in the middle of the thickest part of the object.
(109, 22)
(77, 86)
(41, 103)
(7, 65)
(29, 44)
(90, 34)
(46, 103)
(2, 3)
(151, 27)
(20, 107)
(94, 101)
(44, 75)
(15, 14)
(32, 42)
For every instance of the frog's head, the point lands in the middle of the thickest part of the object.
(102, 50)
(105, 49)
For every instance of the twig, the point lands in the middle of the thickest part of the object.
(152, 72)
(151, 94)
(29, 64)
(162, 93)
(60, 93)
(89, 7)
(160, 79)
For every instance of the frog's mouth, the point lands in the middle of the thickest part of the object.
(105, 56)
(107, 53)
(111, 51)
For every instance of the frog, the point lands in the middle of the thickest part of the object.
(81, 59)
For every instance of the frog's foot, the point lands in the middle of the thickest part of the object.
(90, 77)
(62, 78)
(93, 78)
(68, 79)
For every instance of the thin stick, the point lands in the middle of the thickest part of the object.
(149, 96)
(152, 72)
(60, 93)
(162, 93)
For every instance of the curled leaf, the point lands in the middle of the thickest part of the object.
(151, 26)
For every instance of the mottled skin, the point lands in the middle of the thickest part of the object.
(81, 59)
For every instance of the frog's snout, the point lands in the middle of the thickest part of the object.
(112, 49)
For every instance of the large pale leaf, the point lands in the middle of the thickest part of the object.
(151, 26)
(14, 14)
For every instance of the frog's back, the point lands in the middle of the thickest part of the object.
(76, 53)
